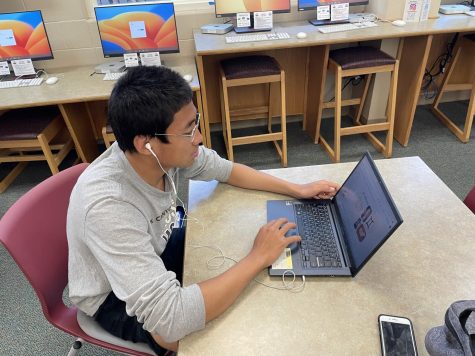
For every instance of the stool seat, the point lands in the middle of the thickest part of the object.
(360, 57)
(26, 124)
(250, 66)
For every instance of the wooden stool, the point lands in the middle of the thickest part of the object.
(25, 132)
(252, 70)
(108, 134)
(462, 135)
(350, 62)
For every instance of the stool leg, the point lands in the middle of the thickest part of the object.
(227, 125)
(53, 166)
(337, 123)
(469, 119)
(269, 108)
(333, 67)
(359, 111)
(283, 119)
(5, 182)
(447, 76)
(223, 115)
(388, 149)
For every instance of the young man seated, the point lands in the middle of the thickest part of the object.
(125, 256)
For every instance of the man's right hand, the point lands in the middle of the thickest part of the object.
(271, 241)
(221, 291)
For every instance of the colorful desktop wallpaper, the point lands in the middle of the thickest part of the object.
(232, 7)
(313, 3)
(23, 35)
(137, 28)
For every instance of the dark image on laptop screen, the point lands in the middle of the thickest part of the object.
(365, 214)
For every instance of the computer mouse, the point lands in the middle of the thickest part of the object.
(52, 80)
(188, 77)
(399, 23)
(301, 35)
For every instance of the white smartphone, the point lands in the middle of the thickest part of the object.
(397, 336)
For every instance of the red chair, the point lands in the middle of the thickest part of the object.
(470, 200)
(33, 231)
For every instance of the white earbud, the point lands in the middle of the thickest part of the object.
(148, 146)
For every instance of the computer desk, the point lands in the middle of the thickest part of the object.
(81, 98)
(423, 267)
(305, 62)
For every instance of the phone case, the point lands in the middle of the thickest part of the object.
(381, 335)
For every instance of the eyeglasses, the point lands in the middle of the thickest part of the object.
(191, 135)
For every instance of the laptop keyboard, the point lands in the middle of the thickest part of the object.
(318, 246)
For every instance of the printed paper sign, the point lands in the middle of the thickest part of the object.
(340, 12)
(425, 10)
(243, 19)
(150, 59)
(323, 12)
(23, 67)
(131, 60)
(7, 38)
(412, 10)
(263, 19)
(4, 70)
(137, 29)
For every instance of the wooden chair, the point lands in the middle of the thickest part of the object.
(462, 135)
(29, 135)
(253, 70)
(351, 62)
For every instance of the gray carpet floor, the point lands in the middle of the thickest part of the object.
(23, 329)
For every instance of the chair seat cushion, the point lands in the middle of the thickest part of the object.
(470, 37)
(26, 124)
(249, 66)
(360, 57)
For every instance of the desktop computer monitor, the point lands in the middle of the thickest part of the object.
(23, 35)
(137, 28)
(229, 8)
(304, 5)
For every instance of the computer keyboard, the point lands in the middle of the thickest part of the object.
(346, 27)
(258, 37)
(20, 83)
(113, 76)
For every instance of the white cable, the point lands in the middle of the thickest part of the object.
(289, 286)
(172, 183)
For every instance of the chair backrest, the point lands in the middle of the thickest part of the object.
(470, 200)
(33, 231)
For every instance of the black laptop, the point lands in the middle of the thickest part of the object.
(339, 235)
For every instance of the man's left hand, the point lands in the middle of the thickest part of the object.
(321, 189)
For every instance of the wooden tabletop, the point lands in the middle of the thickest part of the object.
(76, 84)
(207, 44)
(423, 267)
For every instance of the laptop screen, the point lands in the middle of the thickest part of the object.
(367, 213)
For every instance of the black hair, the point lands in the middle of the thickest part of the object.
(144, 101)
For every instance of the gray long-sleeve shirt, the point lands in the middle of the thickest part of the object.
(118, 226)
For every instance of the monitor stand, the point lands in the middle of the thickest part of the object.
(249, 28)
(316, 22)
